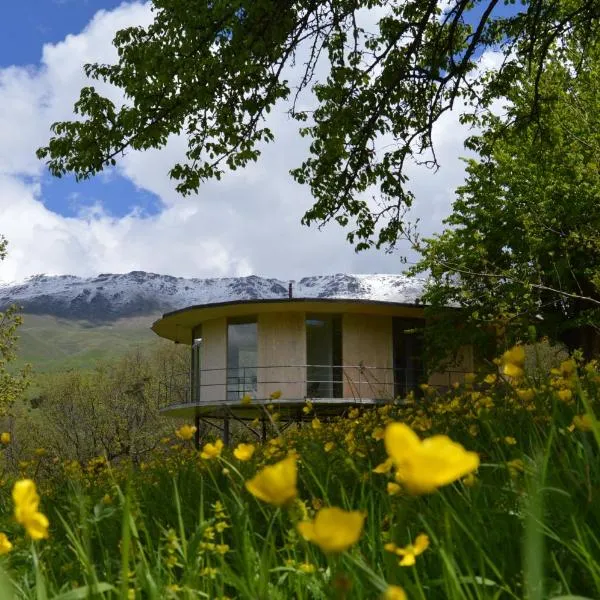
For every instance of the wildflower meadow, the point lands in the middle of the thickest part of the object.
(488, 490)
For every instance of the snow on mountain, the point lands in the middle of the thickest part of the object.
(111, 296)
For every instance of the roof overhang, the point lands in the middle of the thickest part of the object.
(179, 324)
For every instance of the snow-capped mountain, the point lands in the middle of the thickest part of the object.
(110, 296)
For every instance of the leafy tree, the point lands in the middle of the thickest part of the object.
(12, 384)
(214, 70)
(111, 411)
(523, 241)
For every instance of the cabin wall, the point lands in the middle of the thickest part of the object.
(214, 356)
(282, 346)
(367, 341)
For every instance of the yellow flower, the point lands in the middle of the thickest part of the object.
(5, 438)
(378, 433)
(244, 452)
(333, 529)
(515, 467)
(354, 413)
(394, 592)
(246, 399)
(513, 370)
(329, 446)
(490, 378)
(316, 424)
(222, 548)
(5, 545)
(470, 378)
(410, 552)
(211, 451)
(393, 488)
(565, 395)
(186, 432)
(568, 367)
(516, 355)
(470, 480)
(526, 394)
(307, 567)
(308, 407)
(276, 484)
(424, 466)
(513, 361)
(510, 440)
(27, 503)
(583, 422)
(384, 467)
(275, 395)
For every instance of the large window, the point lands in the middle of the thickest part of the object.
(323, 356)
(409, 370)
(241, 358)
(196, 364)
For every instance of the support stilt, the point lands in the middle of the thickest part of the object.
(197, 432)
(226, 431)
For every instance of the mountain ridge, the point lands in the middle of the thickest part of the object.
(111, 296)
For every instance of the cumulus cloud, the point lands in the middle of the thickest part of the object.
(247, 223)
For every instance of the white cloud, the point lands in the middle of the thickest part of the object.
(247, 223)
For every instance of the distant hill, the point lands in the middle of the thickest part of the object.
(51, 343)
(69, 322)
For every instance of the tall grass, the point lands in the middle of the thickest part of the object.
(527, 526)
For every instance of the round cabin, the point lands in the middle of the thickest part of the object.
(334, 351)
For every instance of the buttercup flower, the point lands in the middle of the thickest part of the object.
(424, 466)
(275, 395)
(5, 438)
(244, 452)
(384, 467)
(276, 484)
(5, 545)
(393, 488)
(246, 399)
(513, 361)
(565, 395)
(394, 592)
(583, 422)
(333, 529)
(212, 450)
(315, 423)
(410, 552)
(27, 503)
(186, 432)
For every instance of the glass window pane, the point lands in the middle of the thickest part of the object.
(241, 359)
(409, 370)
(197, 365)
(323, 356)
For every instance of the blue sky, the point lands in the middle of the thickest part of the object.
(25, 27)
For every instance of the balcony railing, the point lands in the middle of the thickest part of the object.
(295, 383)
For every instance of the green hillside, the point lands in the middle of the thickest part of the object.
(49, 343)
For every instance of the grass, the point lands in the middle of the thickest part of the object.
(179, 526)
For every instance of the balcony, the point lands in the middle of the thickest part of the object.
(241, 391)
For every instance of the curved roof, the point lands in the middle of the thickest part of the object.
(178, 325)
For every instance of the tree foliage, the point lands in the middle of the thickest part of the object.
(12, 384)
(214, 70)
(523, 241)
(110, 411)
